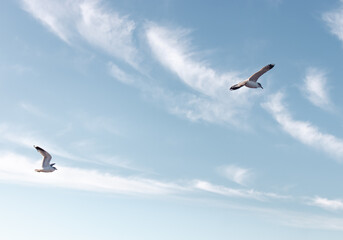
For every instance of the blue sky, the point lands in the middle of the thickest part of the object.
(131, 98)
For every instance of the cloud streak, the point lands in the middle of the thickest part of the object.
(171, 48)
(240, 193)
(207, 97)
(316, 88)
(334, 19)
(89, 21)
(17, 168)
(236, 174)
(327, 204)
(107, 30)
(27, 139)
(304, 132)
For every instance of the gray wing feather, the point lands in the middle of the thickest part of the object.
(46, 156)
(262, 71)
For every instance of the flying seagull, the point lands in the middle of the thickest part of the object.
(252, 81)
(46, 166)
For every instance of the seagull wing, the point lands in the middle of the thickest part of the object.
(238, 85)
(258, 74)
(46, 156)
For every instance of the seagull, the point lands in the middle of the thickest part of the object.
(46, 166)
(251, 82)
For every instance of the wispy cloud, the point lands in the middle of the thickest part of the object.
(334, 19)
(19, 169)
(87, 20)
(208, 98)
(107, 30)
(316, 89)
(233, 192)
(328, 204)
(26, 139)
(305, 132)
(195, 107)
(55, 15)
(78, 21)
(172, 49)
(236, 174)
(117, 73)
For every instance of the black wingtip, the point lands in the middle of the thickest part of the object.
(38, 148)
(271, 66)
(234, 87)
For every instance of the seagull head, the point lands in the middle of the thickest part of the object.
(259, 84)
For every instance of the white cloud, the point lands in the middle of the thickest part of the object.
(88, 20)
(327, 203)
(192, 106)
(171, 48)
(305, 132)
(236, 174)
(208, 97)
(334, 19)
(232, 192)
(19, 169)
(116, 72)
(196, 108)
(316, 88)
(107, 30)
(55, 15)
(22, 138)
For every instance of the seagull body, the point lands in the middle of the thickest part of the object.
(46, 166)
(251, 82)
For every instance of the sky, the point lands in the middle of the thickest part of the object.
(132, 100)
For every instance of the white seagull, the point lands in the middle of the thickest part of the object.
(46, 166)
(252, 81)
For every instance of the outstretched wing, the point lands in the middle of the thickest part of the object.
(258, 74)
(238, 85)
(46, 156)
